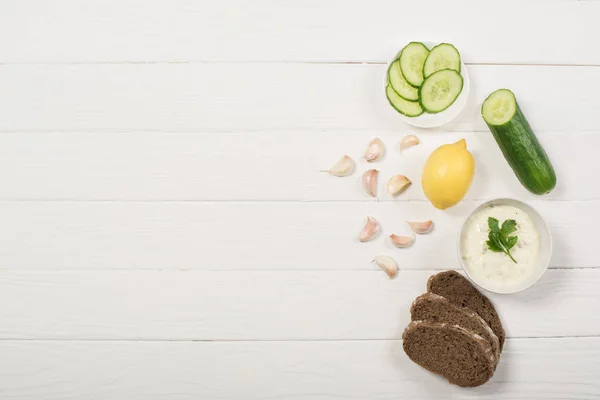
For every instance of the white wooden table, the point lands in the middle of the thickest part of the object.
(165, 232)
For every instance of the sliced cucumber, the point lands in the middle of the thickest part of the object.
(399, 84)
(405, 107)
(442, 56)
(499, 107)
(440, 90)
(412, 59)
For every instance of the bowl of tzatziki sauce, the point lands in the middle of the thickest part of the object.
(495, 270)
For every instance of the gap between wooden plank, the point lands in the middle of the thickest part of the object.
(295, 271)
(200, 201)
(290, 130)
(17, 340)
(177, 62)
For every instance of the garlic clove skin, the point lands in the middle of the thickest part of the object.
(371, 229)
(375, 150)
(387, 264)
(369, 182)
(397, 184)
(421, 227)
(401, 241)
(408, 141)
(343, 167)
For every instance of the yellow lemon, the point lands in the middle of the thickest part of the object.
(447, 174)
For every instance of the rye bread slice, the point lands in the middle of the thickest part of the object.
(434, 308)
(462, 357)
(458, 289)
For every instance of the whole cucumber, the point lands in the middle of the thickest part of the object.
(518, 143)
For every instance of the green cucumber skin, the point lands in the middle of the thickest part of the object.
(400, 111)
(462, 85)
(399, 55)
(433, 48)
(388, 81)
(525, 154)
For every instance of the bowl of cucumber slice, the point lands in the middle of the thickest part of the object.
(427, 84)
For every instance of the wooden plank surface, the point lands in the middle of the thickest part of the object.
(281, 97)
(165, 234)
(276, 370)
(262, 166)
(270, 305)
(542, 31)
(266, 236)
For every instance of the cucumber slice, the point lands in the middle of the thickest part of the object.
(412, 59)
(440, 90)
(442, 56)
(404, 107)
(499, 107)
(399, 84)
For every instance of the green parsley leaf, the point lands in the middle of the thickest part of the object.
(493, 246)
(512, 240)
(499, 239)
(494, 224)
(509, 226)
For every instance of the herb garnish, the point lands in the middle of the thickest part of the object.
(500, 240)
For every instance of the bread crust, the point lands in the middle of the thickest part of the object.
(461, 292)
(461, 356)
(434, 308)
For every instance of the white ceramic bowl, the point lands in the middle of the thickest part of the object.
(545, 246)
(435, 120)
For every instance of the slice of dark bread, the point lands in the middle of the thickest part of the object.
(459, 355)
(434, 308)
(458, 289)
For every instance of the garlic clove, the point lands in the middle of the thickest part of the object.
(397, 184)
(375, 150)
(387, 264)
(408, 141)
(420, 227)
(401, 241)
(371, 229)
(369, 182)
(343, 167)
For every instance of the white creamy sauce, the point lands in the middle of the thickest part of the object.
(496, 271)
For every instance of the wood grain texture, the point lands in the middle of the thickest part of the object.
(165, 234)
(259, 166)
(271, 30)
(279, 97)
(284, 370)
(334, 305)
(265, 236)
